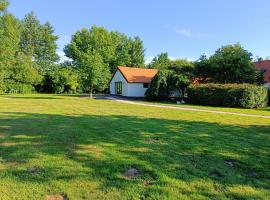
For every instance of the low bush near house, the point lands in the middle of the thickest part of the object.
(228, 95)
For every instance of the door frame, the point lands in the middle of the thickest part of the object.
(118, 88)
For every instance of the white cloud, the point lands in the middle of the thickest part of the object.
(148, 59)
(184, 32)
(62, 56)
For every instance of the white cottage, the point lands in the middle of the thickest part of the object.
(131, 81)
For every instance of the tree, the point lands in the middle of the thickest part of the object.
(95, 73)
(111, 48)
(114, 47)
(63, 79)
(3, 5)
(161, 61)
(137, 53)
(183, 67)
(39, 42)
(165, 84)
(15, 67)
(229, 64)
(178, 82)
(203, 70)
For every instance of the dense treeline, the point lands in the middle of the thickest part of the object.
(29, 62)
(229, 64)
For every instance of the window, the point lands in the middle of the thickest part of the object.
(146, 85)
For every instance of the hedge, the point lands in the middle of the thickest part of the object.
(228, 95)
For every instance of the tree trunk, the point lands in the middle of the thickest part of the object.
(91, 92)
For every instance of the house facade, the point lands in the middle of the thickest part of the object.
(264, 67)
(131, 81)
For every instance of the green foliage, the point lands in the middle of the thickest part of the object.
(165, 84)
(3, 5)
(228, 95)
(229, 64)
(115, 48)
(27, 50)
(39, 42)
(182, 66)
(15, 67)
(94, 72)
(17, 87)
(62, 79)
(161, 61)
(97, 52)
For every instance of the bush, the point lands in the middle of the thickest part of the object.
(20, 88)
(228, 95)
(167, 84)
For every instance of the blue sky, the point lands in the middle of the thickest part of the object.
(183, 28)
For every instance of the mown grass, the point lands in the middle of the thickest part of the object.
(80, 148)
(253, 111)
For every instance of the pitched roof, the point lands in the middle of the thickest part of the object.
(265, 67)
(137, 75)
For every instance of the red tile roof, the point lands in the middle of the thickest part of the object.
(265, 67)
(138, 75)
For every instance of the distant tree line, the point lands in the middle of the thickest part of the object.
(229, 64)
(29, 61)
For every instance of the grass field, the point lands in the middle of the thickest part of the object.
(81, 148)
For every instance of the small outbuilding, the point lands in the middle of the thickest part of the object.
(131, 81)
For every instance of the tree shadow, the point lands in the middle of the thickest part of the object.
(105, 146)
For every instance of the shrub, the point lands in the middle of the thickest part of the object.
(167, 84)
(228, 95)
(20, 88)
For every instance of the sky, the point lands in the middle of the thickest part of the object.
(183, 28)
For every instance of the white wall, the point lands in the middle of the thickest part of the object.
(128, 89)
(136, 90)
(119, 77)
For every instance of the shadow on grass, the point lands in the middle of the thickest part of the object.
(105, 146)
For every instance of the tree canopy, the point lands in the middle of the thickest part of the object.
(115, 48)
(96, 52)
(229, 64)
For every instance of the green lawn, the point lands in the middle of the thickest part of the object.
(255, 111)
(80, 148)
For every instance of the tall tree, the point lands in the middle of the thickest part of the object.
(3, 5)
(111, 48)
(39, 42)
(9, 39)
(16, 68)
(161, 61)
(95, 73)
(137, 53)
(229, 64)
(233, 64)
(114, 47)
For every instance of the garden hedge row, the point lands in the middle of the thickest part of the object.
(228, 95)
